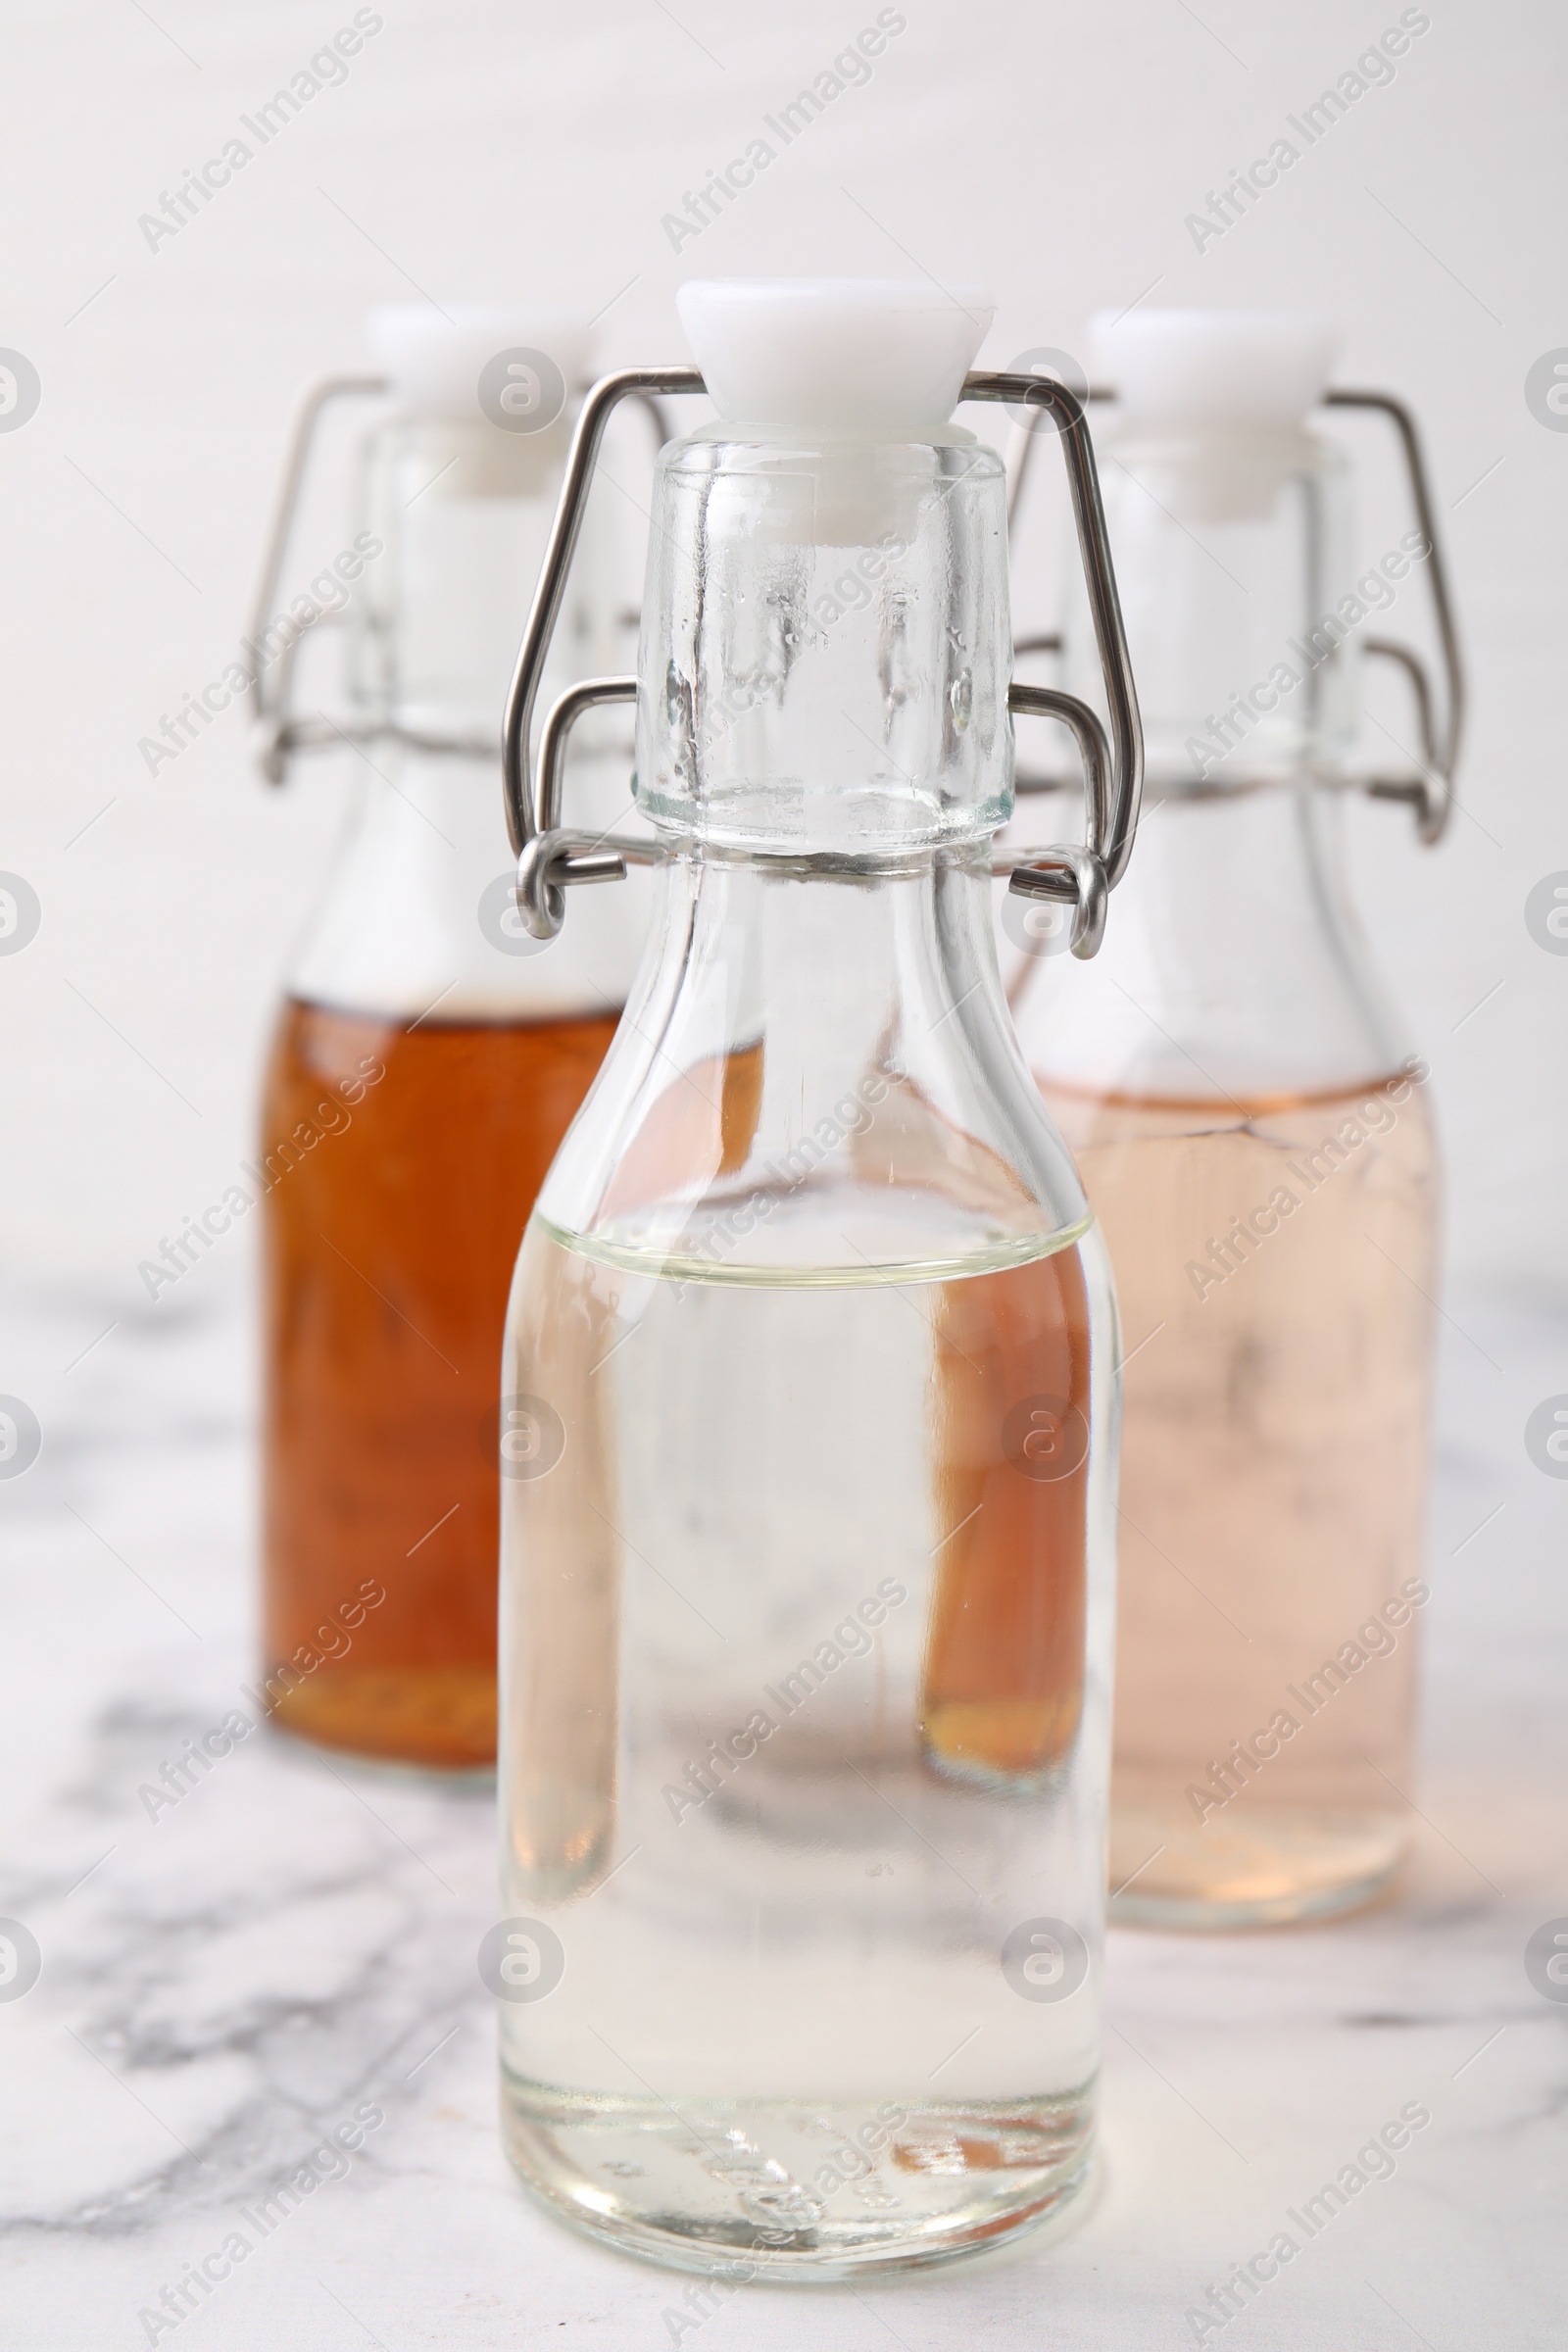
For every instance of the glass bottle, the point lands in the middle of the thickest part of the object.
(427, 1058)
(807, 1520)
(1253, 1130)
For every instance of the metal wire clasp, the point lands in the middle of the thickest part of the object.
(550, 858)
(1431, 793)
(277, 733)
(279, 730)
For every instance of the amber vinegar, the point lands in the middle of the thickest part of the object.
(389, 1245)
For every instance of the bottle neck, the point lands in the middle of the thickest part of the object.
(416, 917)
(465, 515)
(1236, 565)
(1235, 968)
(826, 646)
(816, 1075)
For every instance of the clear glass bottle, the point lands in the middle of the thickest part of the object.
(806, 1553)
(1255, 1134)
(427, 1059)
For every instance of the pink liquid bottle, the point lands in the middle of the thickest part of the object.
(1252, 1129)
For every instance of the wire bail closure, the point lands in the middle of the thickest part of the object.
(551, 858)
(277, 731)
(1431, 793)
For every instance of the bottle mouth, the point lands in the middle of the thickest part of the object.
(1213, 406)
(882, 359)
(1196, 371)
(825, 641)
(513, 362)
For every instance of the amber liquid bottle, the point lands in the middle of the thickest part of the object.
(390, 1243)
(429, 1059)
(1256, 1140)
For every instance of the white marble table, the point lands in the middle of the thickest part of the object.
(222, 1987)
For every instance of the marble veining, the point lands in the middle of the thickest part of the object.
(234, 1969)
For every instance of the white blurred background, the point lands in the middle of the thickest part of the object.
(489, 152)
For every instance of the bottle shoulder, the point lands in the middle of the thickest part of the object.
(1235, 966)
(817, 1081)
(415, 910)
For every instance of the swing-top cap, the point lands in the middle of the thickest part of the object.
(879, 358)
(434, 360)
(1258, 369)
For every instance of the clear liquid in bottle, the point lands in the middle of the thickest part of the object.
(808, 1422)
(816, 1863)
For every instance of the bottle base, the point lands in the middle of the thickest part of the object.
(1296, 1865)
(783, 2193)
(405, 1772)
(436, 1720)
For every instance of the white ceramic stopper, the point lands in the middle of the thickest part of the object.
(434, 362)
(879, 357)
(1257, 369)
